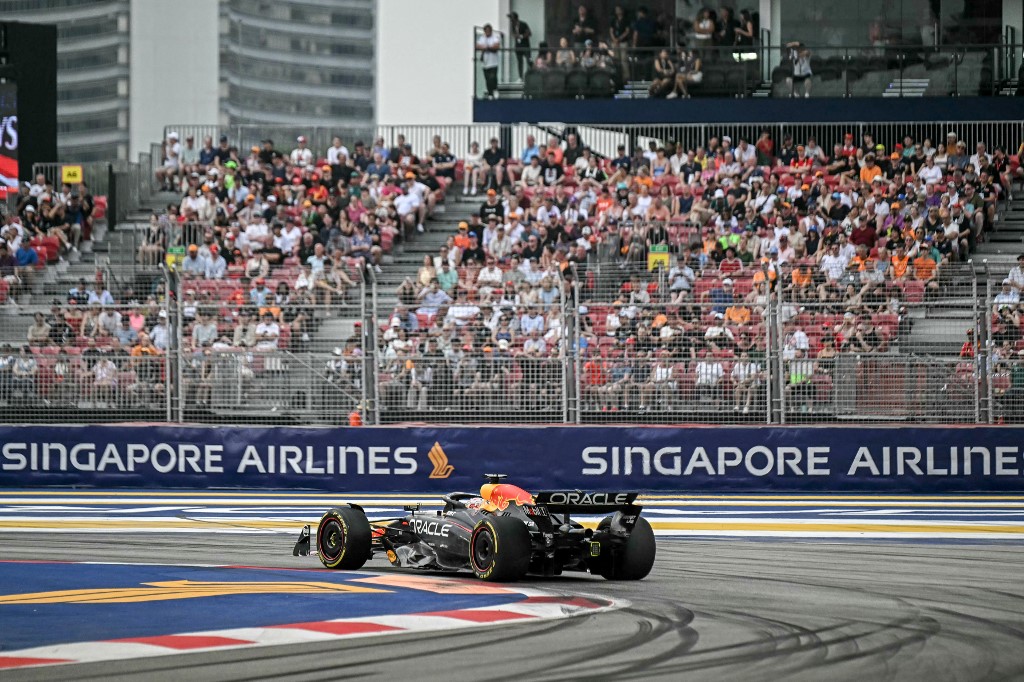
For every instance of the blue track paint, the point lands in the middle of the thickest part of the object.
(31, 625)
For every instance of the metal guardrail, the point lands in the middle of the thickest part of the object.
(604, 140)
(619, 346)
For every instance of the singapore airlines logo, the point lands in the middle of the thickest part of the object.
(442, 469)
(178, 589)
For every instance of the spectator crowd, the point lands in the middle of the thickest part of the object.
(670, 255)
(847, 237)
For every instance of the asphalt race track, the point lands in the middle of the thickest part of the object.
(718, 609)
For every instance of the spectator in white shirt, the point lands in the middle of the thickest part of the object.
(410, 208)
(490, 279)
(301, 155)
(746, 378)
(980, 158)
(531, 321)
(1016, 275)
(709, 373)
(1007, 296)
(337, 153)
(832, 264)
(101, 295)
(462, 312)
(267, 332)
(930, 173)
(745, 152)
(216, 266)
(160, 334)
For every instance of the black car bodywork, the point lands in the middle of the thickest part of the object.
(501, 534)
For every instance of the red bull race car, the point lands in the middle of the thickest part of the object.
(502, 534)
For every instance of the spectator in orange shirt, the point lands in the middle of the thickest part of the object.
(925, 270)
(462, 237)
(802, 287)
(871, 170)
(595, 378)
(554, 148)
(900, 263)
(737, 314)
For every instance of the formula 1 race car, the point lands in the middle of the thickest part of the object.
(501, 535)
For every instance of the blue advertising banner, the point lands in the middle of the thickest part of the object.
(692, 459)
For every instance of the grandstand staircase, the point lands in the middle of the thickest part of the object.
(634, 90)
(907, 87)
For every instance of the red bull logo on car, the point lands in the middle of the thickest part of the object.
(500, 495)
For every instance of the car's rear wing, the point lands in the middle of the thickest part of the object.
(582, 502)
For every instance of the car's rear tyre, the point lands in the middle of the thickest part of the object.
(634, 559)
(499, 549)
(343, 538)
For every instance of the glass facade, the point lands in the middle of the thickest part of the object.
(883, 23)
(92, 48)
(307, 60)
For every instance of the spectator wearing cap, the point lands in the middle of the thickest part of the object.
(216, 265)
(492, 206)
(301, 155)
(501, 246)
(474, 253)
(224, 153)
(260, 295)
(192, 265)
(1007, 296)
(189, 158)
(168, 172)
(721, 296)
(159, 334)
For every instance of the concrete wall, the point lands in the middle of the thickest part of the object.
(425, 59)
(173, 68)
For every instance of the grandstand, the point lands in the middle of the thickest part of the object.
(790, 288)
(744, 272)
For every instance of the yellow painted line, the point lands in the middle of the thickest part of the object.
(179, 589)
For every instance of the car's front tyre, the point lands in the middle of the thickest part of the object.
(343, 538)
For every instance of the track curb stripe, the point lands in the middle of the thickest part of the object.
(537, 605)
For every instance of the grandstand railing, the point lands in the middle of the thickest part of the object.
(605, 139)
(901, 358)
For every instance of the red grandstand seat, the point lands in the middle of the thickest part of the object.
(913, 290)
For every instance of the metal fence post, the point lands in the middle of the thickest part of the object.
(983, 361)
(179, 334)
(570, 411)
(169, 364)
(769, 350)
(577, 324)
(371, 359)
(780, 371)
